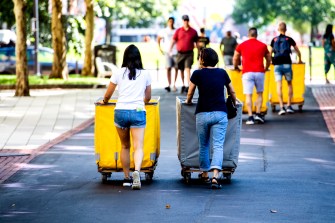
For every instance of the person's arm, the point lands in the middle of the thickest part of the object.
(298, 53)
(147, 94)
(232, 92)
(333, 44)
(173, 41)
(267, 60)
(190, 93)
(159, 39)
(236, 60)
(221, 45)
(323, 42)
(108, 94)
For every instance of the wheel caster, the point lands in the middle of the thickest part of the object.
(273, 108)
(104, 178)
(300, 108)
(227, 177)
(187, 177)
(149, 176)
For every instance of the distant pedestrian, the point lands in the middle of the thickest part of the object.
(170, 60)
(328, 44)
(134, 84)
(185, 38)
(229, 44)
(281, 48)
(211, 113)
(253, 52)
(202, 41)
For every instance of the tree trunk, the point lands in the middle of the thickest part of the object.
(22, 83)
(88, 60)
(59, 65)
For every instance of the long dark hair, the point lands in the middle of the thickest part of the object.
(329, 31)
(132, 61)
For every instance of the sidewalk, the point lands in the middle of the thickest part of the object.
(31, 125)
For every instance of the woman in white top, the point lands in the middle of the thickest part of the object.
(134, 86)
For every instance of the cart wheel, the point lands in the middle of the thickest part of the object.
(149, 176)
(273, 108)
(300, 108)
(187, 178)
(182, 172)
(104, 178)
(228, 177)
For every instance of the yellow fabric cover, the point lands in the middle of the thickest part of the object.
(236, 80)
(298, 84)
(107, 142)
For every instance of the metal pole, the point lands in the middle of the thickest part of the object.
(310, 61)
(36, 34)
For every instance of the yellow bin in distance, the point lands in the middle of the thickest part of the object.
(298, 84)
(236, 79)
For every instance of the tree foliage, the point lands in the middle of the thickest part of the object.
(141, 13)
(263, 12)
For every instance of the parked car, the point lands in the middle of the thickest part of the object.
(45, 59)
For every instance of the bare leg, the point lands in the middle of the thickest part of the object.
(175, 79)
(125, 148)
(138, 138)
(248, 101)
(168, 73)
(182, 76)
(188, 73)
(259, 102)
(290, 93)
(280, 95)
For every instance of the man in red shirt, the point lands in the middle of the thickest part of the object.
(253, 70)
(185, 38)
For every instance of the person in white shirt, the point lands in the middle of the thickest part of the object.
(134, 86)
(170, 60)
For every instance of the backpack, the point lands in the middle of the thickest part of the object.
(281, 47)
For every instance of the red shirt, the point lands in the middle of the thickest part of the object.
(185, 39)
(253, 53)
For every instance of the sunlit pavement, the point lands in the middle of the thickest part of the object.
(285, 170)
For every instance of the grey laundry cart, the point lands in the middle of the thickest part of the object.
(188, 146)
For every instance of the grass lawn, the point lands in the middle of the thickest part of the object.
(34, 80)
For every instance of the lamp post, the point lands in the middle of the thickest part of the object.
(35, 29)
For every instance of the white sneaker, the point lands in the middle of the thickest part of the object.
(282, 111)
(136, 180)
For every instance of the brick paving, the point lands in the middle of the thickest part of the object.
(325, 96)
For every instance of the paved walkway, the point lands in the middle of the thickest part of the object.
(31, 125)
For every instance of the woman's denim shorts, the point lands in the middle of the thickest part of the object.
(129, 119)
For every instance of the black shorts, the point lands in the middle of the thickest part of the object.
(184, 60)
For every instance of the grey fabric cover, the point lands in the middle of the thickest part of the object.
(187, 139)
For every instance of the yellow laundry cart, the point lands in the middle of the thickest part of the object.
(108, 146)
(236, 79)
(298, 84)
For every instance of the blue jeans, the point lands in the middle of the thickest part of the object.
(126, 119)
(211, 130)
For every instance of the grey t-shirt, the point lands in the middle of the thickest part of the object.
(229, 44)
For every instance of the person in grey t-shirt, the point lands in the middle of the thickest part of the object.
(229, 44)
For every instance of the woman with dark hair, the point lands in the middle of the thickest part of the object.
(329, 47)
(134, 86)
(211, 113)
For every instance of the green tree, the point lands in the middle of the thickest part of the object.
(22, 84)
(59, 65)
(263, 12)
(141, 13)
